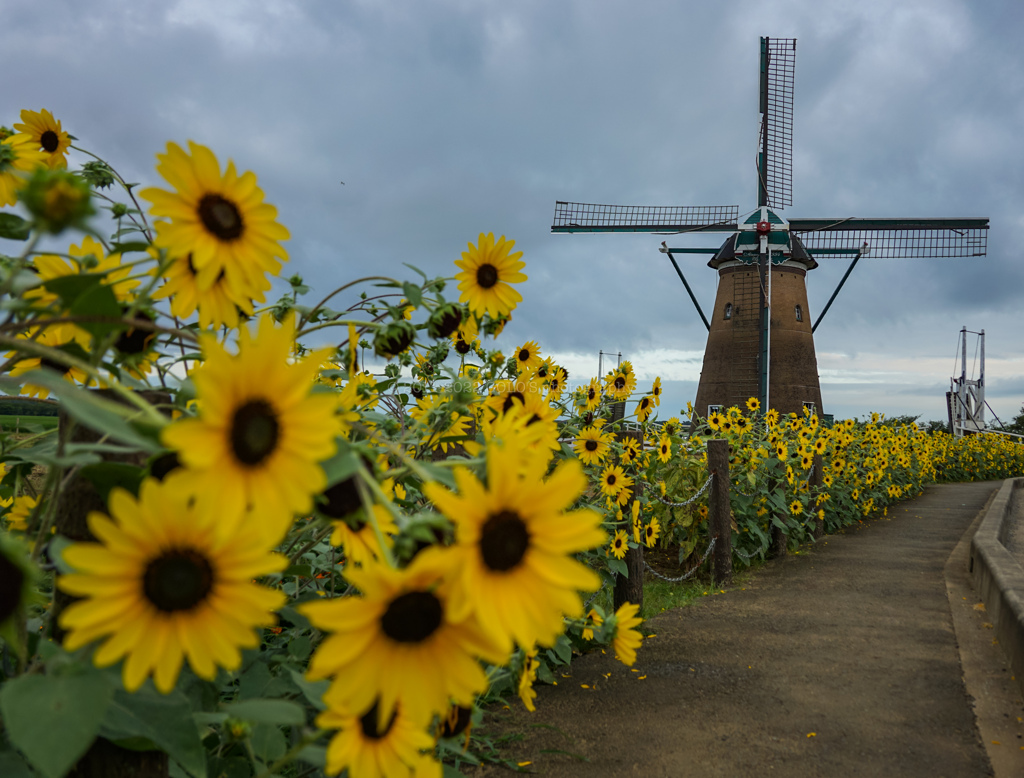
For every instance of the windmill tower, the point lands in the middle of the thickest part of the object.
(760, 336)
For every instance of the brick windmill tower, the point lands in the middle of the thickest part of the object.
(760, 337)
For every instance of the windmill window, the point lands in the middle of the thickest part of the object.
(799, 313)
(714, 409)
(728, 310)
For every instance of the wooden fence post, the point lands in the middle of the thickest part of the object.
(103, 759)
(719, 511)
(630, 587)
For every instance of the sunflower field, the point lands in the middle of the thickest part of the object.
(251, 549)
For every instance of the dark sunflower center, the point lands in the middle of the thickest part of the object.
(591, 393)
(254, 432)
(11, 580)
(369, 723)
(503, 541)
(457, 721)
(221, 217)
(135, 341)
(54, 365)
(178, 580)
(524, 354)
(412, 617)
(590, 445)
(620, 382)
(610, 479)
(644, 403)
(341, 499)
(164, 464)
(486, 276)
(510, 401)
(49, 141)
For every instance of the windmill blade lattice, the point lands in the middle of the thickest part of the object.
(894, 238)
(778, 71)
(591, 217)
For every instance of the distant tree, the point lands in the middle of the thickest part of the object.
(1017, 425)
(934, 426)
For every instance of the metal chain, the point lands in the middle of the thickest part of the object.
(683, 577)
(746, 556)
(683, 504)
(594, 596)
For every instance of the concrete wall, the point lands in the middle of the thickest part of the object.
(999, 577)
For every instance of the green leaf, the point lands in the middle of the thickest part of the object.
(13, 227)
(53, 719)
(267, 711)
(311, 690)
(98, 301)
(563, 648)
(268, 742)
(13, 766)
(165, 720)
(618, 566)
(412, 293)
(107, 475)
(70, 288)
(87, 407)
(314, 755)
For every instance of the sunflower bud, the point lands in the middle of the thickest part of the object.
(445, 320)
(57, 200)
(393, 339)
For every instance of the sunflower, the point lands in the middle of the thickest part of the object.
(404, 621)
(261, 432)
(218, 304)
(20, 513)
(220, 222)
(614, 481)
(557, 382)
(619, 544)
(440, 428)
(796, 507)
(592, 446)
(357, 536)
(373, 745)
(651, 533)
(594, 620)
(715, 420)
(18, 156)
(88, 257)
(47, 136)
(620, 383)
(528, 356)
(627, 638)
(517, 541)
(630, 451)
(527, 678)
(166, 583)
(656, 391)
(644, 408)
(486, 272)
(742, 424)
(771, 418)
(753, 404)
(664, 449)
(591, 396)
(62, 337)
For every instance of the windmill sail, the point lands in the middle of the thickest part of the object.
(894, 238)
(590, 217)
(778, 71)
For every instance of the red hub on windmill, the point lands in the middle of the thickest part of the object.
(763, 228)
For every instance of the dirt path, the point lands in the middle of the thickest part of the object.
(838, 661)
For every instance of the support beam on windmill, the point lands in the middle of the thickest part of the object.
(760, 333)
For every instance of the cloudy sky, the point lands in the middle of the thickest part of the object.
(446, 118)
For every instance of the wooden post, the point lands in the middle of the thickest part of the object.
(817, 481)
(103, 759)
(719, 511)
(630, 588)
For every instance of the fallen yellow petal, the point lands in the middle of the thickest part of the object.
(812, 734)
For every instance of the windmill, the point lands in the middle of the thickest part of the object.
(760, 337)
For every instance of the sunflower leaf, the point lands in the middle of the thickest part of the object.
(13, 227)
(129, 246)
(69, 288)
(163, 720)
(53, 719)
(267, 711)
(412, 293)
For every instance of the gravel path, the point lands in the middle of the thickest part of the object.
(837, 661)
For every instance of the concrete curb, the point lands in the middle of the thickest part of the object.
(999, 577)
